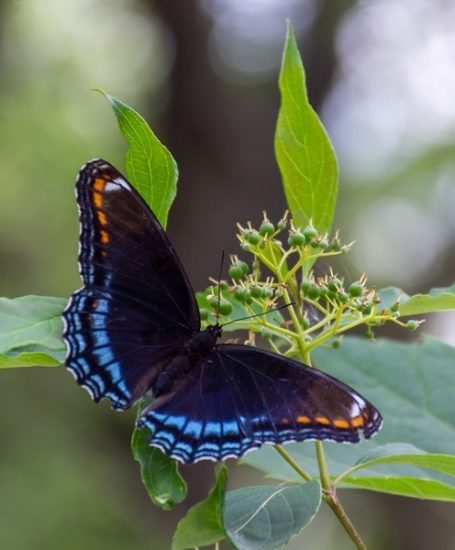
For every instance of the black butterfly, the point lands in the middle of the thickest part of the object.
(134, 327)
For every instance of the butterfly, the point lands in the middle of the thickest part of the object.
(134, 329)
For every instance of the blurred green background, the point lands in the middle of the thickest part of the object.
(381, 74)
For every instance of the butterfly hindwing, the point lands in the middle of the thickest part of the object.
(136, 306)
(238, 398)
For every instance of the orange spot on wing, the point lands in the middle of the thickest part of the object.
(98, 199)
(99, 184)
(104, 237)
(101, 217)
(98, 188)
(322, 420)
(340, 423)
(303, 419)
(357, 422)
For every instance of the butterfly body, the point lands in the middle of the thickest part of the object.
(134, 328)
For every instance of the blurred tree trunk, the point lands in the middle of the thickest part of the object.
(222, 135)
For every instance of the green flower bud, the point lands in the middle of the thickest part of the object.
(213, 301)
(243, 266)
(324, 244)
(306, 285)
(252, 236)
(296, 239)
(281, 225)
(238, 270)
(314, 292)
(224, 285)
(235, 272)
(267, 292)
(343, 297)
(335, 245)
(241, 294)
(266, 228)
(309, 233)
(256, 292)
(356, 289)
(225, 307)
(334, 284)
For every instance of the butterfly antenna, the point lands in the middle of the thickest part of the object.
(219, 288)
(259, 314)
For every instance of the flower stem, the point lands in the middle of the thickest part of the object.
(343, 518)
(293, 463)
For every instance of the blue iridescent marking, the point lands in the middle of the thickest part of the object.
(212, 428)
(166, 438)
(230, 427)
(101, 338)
(193, 429)
(103, 305)
(84, 365)
(176, 422)
(104, 355)
(183, 447)
(208, 446)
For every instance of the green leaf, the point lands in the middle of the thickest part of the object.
(438, 299)
(31, 331)
(267, 517)
(417, 487)
(389, 296)
(303, 150)
(159, 473)
(429, 489)
(411, 384)
(203, 524)
(29, 359)
(149, 165)
(393, 453)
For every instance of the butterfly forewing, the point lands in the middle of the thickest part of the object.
(136, 307)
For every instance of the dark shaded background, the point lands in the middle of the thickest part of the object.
(382, 76)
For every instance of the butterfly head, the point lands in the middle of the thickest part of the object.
(204, 341)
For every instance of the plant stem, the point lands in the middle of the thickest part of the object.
(331, 498)
(343, 518)
(294, 465)
(322, 463)
(329, 491)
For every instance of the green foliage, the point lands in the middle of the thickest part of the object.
(203, 524)
(421, 486)
(437, 299)
(149, 164)
(31, 331)
(303, 150)
(267, 517)
(159, 473)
